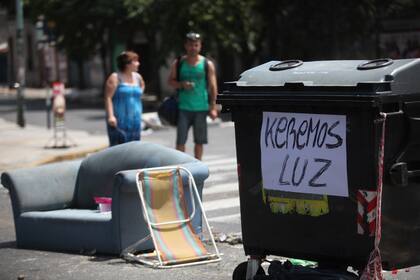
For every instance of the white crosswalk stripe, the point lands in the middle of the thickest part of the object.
(227, 218)
(221, 193)
(220, 204)
(222, 188)
(222, 169)
(222, 162)
(220, 166)
(208, 157)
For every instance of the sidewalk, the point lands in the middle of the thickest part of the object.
(26, 147)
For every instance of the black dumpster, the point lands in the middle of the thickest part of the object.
(309, 137)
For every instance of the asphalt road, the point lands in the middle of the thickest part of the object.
(221, 201)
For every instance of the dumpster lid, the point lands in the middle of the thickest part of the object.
(334, 73)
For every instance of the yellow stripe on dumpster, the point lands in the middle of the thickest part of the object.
(284, 204)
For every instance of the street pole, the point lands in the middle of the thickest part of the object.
(42, 51)
(20, 55)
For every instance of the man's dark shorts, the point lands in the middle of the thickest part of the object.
(198, 120)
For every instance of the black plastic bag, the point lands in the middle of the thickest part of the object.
(168, 111)
(286, 271)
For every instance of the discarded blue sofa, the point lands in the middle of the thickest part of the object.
(54, 207)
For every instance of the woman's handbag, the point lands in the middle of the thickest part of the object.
(168, 110)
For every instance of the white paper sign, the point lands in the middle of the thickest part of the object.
(304, 153)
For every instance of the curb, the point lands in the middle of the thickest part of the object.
(68, 156)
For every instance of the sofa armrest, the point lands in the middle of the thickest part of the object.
(42, 188)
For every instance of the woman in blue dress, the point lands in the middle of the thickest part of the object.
(123, 104)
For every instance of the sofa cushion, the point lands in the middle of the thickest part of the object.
(80, 230)
(85, 215)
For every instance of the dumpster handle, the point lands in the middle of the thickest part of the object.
(286, 64)
(394, 113)
(399, 172)
(375, 63)
(400, 112)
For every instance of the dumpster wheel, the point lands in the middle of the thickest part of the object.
(240, 271)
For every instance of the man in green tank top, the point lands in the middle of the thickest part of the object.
(197, 90)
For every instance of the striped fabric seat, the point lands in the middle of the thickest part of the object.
(165, 209)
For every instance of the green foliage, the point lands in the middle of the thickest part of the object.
(79, 26)
(250, 29)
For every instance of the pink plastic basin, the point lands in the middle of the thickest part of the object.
(104, 203)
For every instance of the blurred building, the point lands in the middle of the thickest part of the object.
(46, 64)
(400, 38)
(43, 63)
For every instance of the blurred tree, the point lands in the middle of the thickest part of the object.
(84, 28)
(329, 29)
(244, 32)
(230, 28)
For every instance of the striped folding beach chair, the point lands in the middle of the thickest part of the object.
(163, 200)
